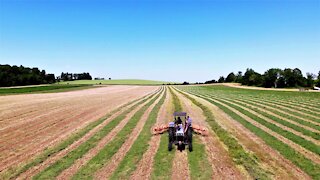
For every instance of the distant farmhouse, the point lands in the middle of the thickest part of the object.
(98, 78)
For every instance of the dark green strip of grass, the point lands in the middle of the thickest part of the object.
(102, 158)
(55, 169)
(43, 89)
(140, 146)
(249, 161)
(283, 122)
(15, 172)
(298, 159)
(297, 139)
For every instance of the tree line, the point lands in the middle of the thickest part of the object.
(20, 76)
(274, 77)
(74, 76)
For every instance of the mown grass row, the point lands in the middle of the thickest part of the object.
(163, 160)
(297, 158)
(55, 169)
(287, 134)
(13, 173)
(277, 112)
(140, 146)
(103, 157)
(197, 159)
(239, 155)
(297, 106)
(255, 108)
(200, 167)
(290, 109)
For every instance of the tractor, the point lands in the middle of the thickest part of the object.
(180, 133)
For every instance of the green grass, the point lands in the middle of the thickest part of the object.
(297, 158)
(43, 89)
(255, 107)
(200, 167)
(162, 165)
(98, 161)
(276, 111)
(295, 138)
(140, 146)
(16, 171)
(249, 161)
(118, 82)
(55, 169)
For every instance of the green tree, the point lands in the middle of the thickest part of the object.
(239, 77)
(231, 77)
(271, 77)
(310, 80)
(221, 79)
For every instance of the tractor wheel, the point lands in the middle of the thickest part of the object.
(190, 139)
(171, 139)
(189, 135)
(170, 146)
(190, 147)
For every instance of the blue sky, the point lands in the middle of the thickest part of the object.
(161, 40)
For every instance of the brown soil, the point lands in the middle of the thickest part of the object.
(272, 160)
(144, 168)
(52, 159)
(112, 165)
(54, 117)
(222, 164)
(310, 155)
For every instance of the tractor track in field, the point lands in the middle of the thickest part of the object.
(106, 171)
(308, 154)
(274, 122)
(180, 166)
(144, 168)
(72, 170)
(281, 167)
(36, 169)
(222, 164)
(23, 149)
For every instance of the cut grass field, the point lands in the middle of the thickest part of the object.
(223, 98)
(118, 82)
(131, 160)
(44, 89)
(55, 169)
(252, 134)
